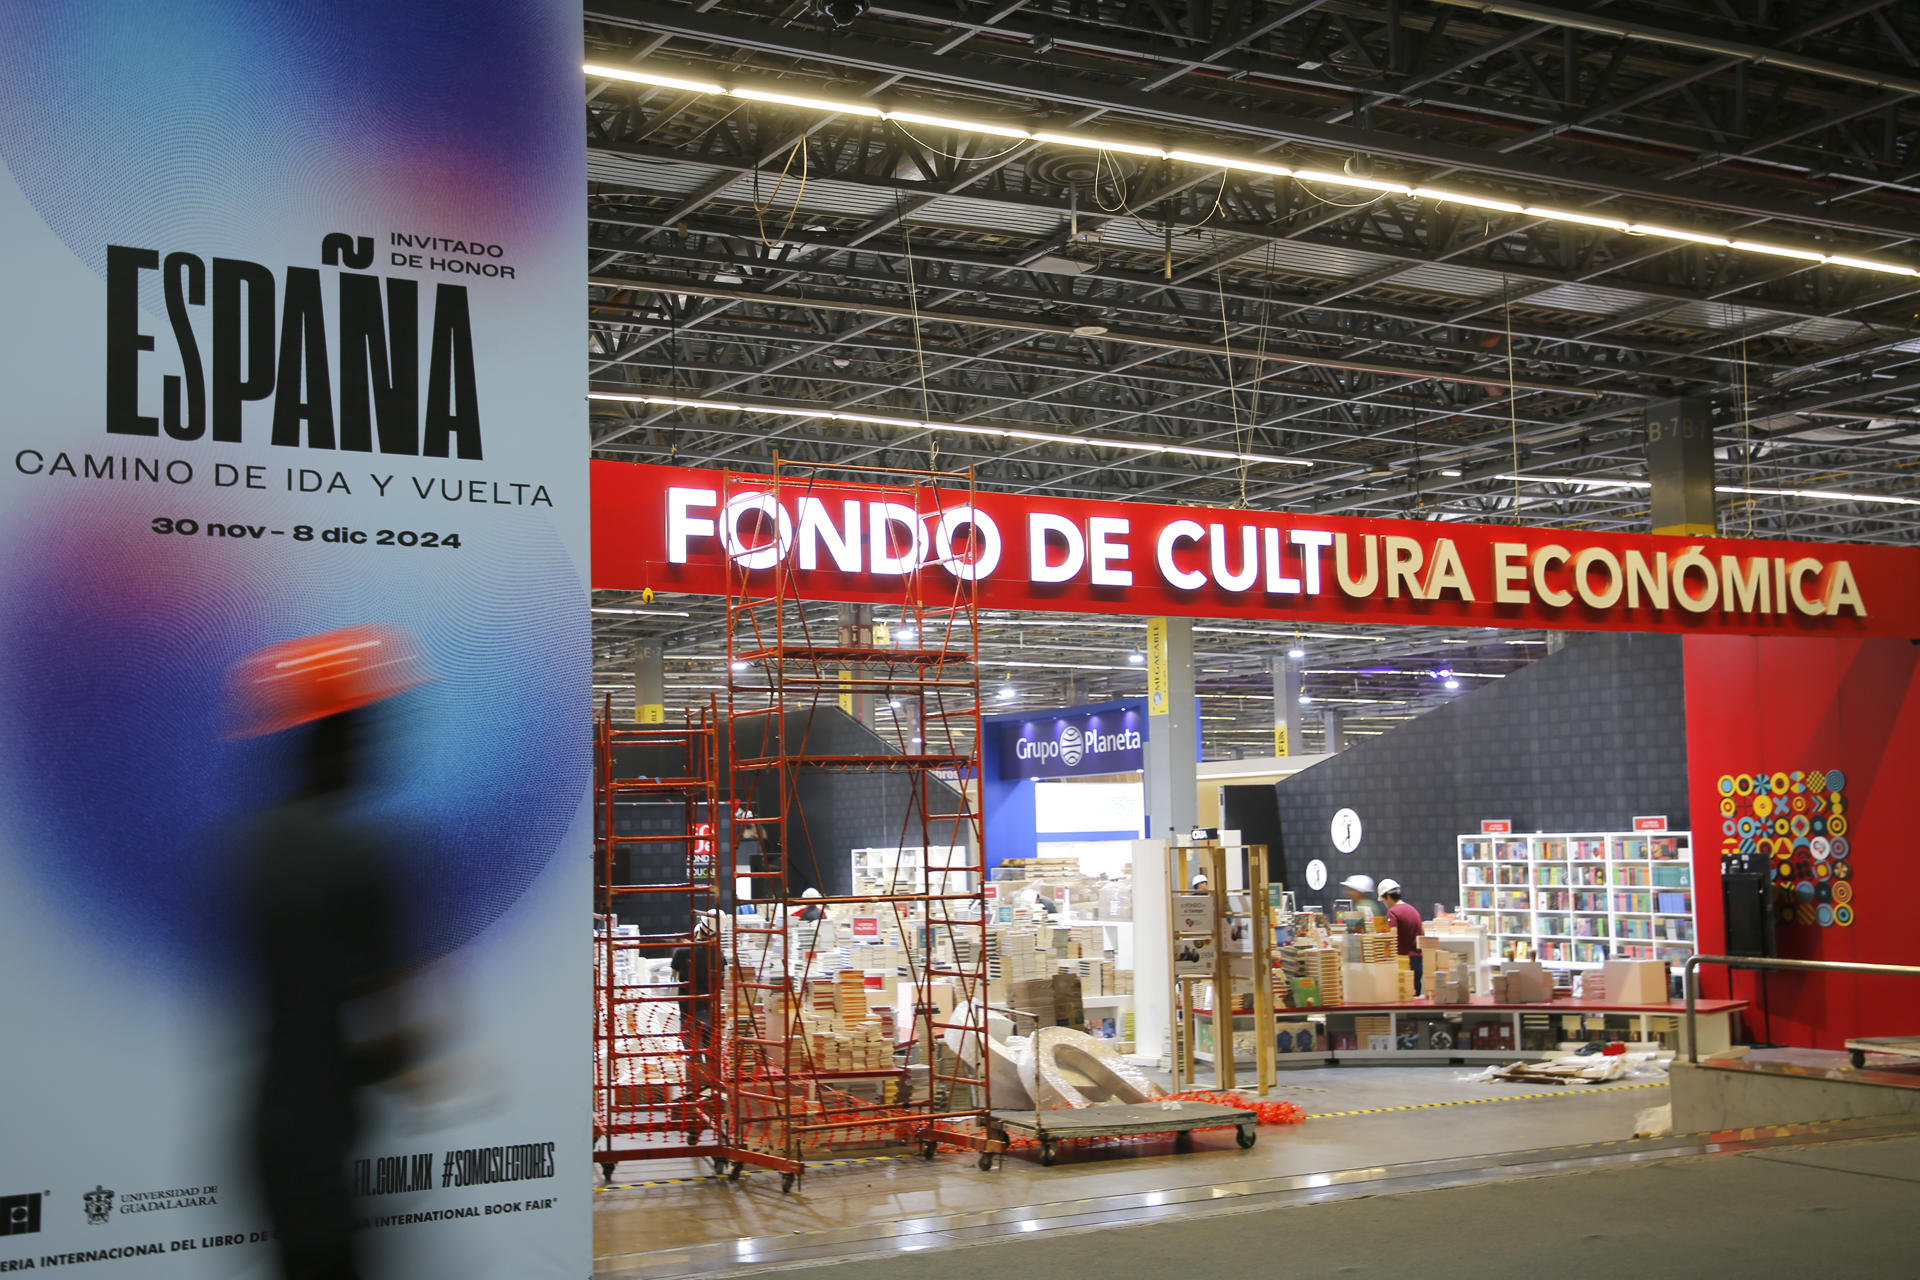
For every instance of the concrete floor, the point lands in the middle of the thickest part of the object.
(1368, 1124)
(1835, 1209)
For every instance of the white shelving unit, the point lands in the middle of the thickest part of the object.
(1579, 899)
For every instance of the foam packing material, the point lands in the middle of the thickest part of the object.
(1071, 1070)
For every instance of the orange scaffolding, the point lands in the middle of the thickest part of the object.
(805, 1079)
(655, 1061)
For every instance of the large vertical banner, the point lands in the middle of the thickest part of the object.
(290, 340)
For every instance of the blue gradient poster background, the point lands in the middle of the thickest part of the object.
(170, 179)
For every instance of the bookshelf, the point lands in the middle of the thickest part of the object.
(1575, 900)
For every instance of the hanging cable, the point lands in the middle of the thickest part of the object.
(1513, 411)
(919, 348)
(759, 209)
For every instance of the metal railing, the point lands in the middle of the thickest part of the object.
(1692, 980)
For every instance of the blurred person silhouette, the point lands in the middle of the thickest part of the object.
(325, 917)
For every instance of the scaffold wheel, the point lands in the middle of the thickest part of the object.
(928, 1149)
(986, 1162)
(786, 1182)
(1246, 1137)
(606, 1172)
(734, 1170)
(1047, 1151)
(719, 1165)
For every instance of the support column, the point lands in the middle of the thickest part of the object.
(1172, 773)
(1680, 466)
(649, 683)
(1334, 730)
(856, 631)
(1289, 722)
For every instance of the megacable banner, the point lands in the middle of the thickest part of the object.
(680, 529)
(290, 342)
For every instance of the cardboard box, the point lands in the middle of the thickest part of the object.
(1636, 981)
(1371, 983)
(1527, 982)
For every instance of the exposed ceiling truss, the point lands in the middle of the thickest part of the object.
(1418, 355)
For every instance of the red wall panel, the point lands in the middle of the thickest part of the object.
(1759, 704)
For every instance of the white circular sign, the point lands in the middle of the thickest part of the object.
(1316, 875)
(1346, 831)
(1072, 746)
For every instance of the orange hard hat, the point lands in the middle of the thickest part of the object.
(296, 682)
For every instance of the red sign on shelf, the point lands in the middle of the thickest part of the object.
(1650, 824)
(683, 529)
(866, 926)
(1496, 826)
(992, 891)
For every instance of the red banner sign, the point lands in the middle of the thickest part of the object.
(1649, 824)
(1496, 826)
(681, 529)
(866, 926)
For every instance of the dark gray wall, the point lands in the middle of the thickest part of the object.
(1582, 740)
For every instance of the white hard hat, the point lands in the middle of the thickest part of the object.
(1389, 886)
(1200, 880)
(809, 893)
(1359, 884)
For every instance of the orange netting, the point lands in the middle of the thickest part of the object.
(1278, 1112)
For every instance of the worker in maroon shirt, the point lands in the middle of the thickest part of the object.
(1406, 923)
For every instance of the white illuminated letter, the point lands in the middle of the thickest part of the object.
(1249, 557)
(1278, 584)
(1039, 525)
(1102, 551)
(842, 541)
(1179, 530)
(882, 517)
(681, 526)
(768, 554)
(984, 541)
(1311, 542)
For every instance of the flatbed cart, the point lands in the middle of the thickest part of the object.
(1903, 1046)
(1120, 1121)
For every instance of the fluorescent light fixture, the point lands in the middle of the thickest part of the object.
(1676, 233)
(1779, 251)
(1228, 162)
(1584, 482)
(1100, 144)
(739, 666)
(645, 613)
(1296, 654)
(1137, 659)
(1345, 180)
(1006, 694)
(1584, 219)
(1462, 197)
(964, 126)
(1864, 264)
(1212, 160)
(1305, 701)
(1453, 684)
(652, 78)
(1451, 475)
(801, 100)
(894, 703)
(1830, 495)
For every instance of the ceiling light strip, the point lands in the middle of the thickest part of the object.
(1817, 495)
(1096, 142)
(958, 428)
